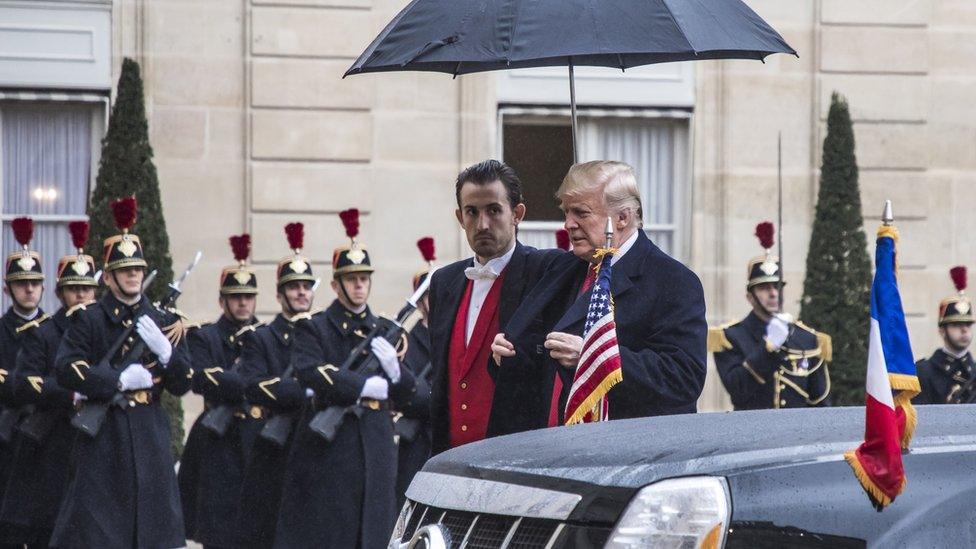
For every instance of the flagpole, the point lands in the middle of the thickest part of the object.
(608, 232)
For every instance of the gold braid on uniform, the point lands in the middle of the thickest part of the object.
(175, 332)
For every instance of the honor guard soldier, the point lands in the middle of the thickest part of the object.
(947, 377)
(39, 471)
(270, 384)
(341, 492)
(23, 283)
(413, 419)
(766, 360)
(212, 467)
(123, 490)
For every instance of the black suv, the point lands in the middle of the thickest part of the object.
(772, 478)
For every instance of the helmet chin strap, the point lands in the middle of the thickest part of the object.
(120, 288)
(342, 287)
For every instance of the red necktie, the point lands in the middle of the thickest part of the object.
(557, 386)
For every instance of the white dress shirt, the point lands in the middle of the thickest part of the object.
(480, 288)
(627, 245)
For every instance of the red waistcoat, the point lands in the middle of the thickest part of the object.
(469, 387)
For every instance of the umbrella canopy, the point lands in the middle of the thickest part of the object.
(466, 36)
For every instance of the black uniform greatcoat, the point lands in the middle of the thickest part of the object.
(414, 453)
(660, 322)
(339, 494)
(517, 404)
(9, 403)
(123, 490)
(793, 376)
(264, 359)
(212, 467)
(942, 377)
(39, 470)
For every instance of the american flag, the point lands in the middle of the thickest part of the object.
(599, 364)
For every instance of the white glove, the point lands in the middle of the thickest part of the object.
(157, 342)
(387, 356)
(135, 377)
(777, 330)
(376, 388)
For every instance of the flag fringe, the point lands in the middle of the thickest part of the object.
(599, 392)
(877, 496)
(908, 387)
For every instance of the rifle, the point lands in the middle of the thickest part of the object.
(38, 424)
(277, 428)
(407, 428)
(326, 423)
(92, 415)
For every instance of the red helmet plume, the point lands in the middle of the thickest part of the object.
(79, 233)
(765, 232)
(23, 230)
(124, 211)
(350, 220)
(426, 247)
(241, 246)
(562, 239)
(959, 277)
(296, 235)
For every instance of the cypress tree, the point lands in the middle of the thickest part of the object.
(126, 168)
(837, 291)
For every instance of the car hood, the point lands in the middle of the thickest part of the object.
(629, 454)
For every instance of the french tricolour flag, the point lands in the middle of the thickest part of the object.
(891, 383)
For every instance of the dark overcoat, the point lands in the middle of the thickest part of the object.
(123, 490)
(339, 493)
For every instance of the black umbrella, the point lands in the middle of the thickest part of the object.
(465, 36)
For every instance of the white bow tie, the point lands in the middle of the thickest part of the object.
(480, 272)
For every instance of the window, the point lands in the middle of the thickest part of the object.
(537, 142)
(47, 150)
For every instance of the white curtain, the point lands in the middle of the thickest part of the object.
(46, 165)
(657, 148)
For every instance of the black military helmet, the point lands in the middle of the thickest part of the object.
(24, 264)
(297, 266)
(958, 308)
(123, 250)
(239, 278)
(352, 258)
(763, 268)
(77, 269)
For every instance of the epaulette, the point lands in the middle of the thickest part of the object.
(301, 316)
(248, 328)
(824, 342)
(33, 323)
(78, 307)
(717, 341)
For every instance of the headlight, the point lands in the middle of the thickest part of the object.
(401, 524)
(683, 513)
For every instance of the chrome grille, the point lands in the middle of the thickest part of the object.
(484, 531)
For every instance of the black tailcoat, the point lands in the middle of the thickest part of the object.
(518, 404)
(123, 490)
(212, 468)
(793, 376)
(266, 356)
(942, 376)
(339, 494)
(39, 471)
(414, 453)
(661, 330)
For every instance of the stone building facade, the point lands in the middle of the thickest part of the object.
(253, 127)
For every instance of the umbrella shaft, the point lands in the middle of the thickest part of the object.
(572, 109)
